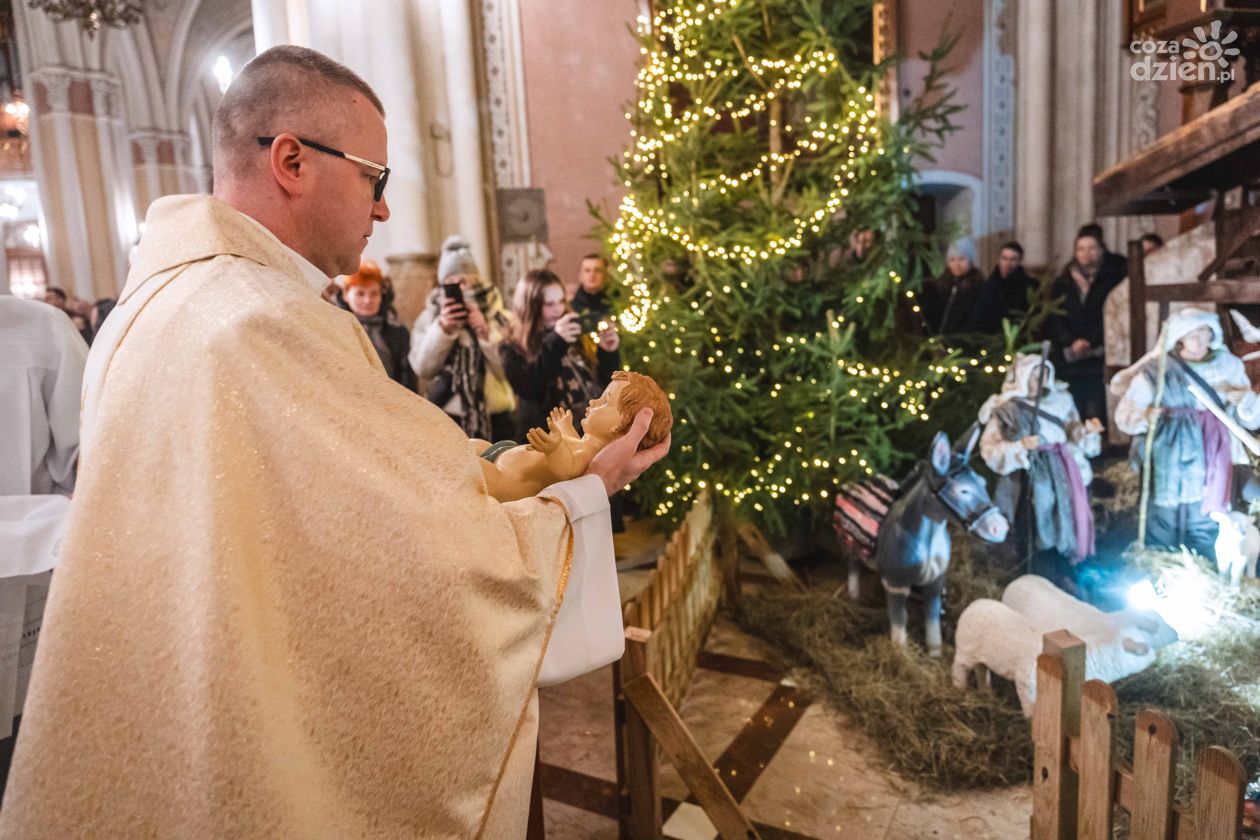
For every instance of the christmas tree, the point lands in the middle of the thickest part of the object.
(767, 250)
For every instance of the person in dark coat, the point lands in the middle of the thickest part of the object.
(1112, 262)
(364, 298)
(591, 298)
(1008, 290)
(1077, 333)
(952, 302)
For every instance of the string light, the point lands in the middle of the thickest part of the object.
(831, 159)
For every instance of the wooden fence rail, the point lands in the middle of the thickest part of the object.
(1078, 780)
(666, 625)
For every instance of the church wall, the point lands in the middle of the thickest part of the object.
(920, 31)
(580, 63)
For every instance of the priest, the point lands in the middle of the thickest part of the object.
(286, 605)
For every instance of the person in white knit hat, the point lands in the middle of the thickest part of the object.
(455, 347)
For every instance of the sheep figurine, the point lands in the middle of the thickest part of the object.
(1007, 643)
(1050, 608)
(1237, 545)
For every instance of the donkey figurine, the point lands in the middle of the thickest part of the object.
(912, 544)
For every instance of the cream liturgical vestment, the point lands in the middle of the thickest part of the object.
(286, 606)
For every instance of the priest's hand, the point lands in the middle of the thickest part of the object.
(619, 463)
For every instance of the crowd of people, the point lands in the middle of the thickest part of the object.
(962, 302)
(496, 370)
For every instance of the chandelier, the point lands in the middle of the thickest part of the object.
(91, 14)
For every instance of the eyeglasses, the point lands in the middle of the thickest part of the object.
(378, 189)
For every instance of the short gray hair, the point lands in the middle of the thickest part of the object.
(275, 86)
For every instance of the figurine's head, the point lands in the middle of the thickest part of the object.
(1193, 333)
(611, 414)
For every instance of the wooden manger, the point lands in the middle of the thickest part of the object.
(666, 625)
(1078, 780)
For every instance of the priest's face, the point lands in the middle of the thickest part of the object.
(603, 414)
(342, 209)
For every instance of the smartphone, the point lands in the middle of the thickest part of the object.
(452, 291)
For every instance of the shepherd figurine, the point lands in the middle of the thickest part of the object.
(1036, 443)
(1193, 452)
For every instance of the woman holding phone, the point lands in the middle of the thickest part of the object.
(548, 361)
(455, 347)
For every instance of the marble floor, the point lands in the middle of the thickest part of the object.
(793, 764)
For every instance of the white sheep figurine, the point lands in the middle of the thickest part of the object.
(993, 635)
(1050, 608)
(1237, 546)
(1007, 643)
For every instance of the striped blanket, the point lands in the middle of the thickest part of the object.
(860, 508)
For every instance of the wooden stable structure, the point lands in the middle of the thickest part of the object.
(1079, 781)
(666, 625)
(1214, 157)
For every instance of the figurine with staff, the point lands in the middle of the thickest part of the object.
(1182, 389)
(1036, 442)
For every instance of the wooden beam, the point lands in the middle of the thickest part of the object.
(1245, 290)
(1196, 145)
(1122, 784)
(1234, 229)
(1221, 783)
(1137, 301)
(1053, 816)
(689, 760)
(1154, 768)
(642, 778)
(1097, 782)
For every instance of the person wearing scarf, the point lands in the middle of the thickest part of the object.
(365, 296)
(1042, 447)
(455, 348)
(1194, 454)
(1077, 332)
(1007, 292)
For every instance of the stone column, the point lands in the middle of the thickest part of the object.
(1035, 77)
(76, 162)
(161, 163)
(413, 277)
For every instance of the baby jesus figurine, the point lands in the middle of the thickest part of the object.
(558, 453)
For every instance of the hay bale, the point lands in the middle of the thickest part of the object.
(927, 730)
(1210, 686)
(949, 740)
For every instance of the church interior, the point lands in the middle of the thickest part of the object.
(943, 522)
